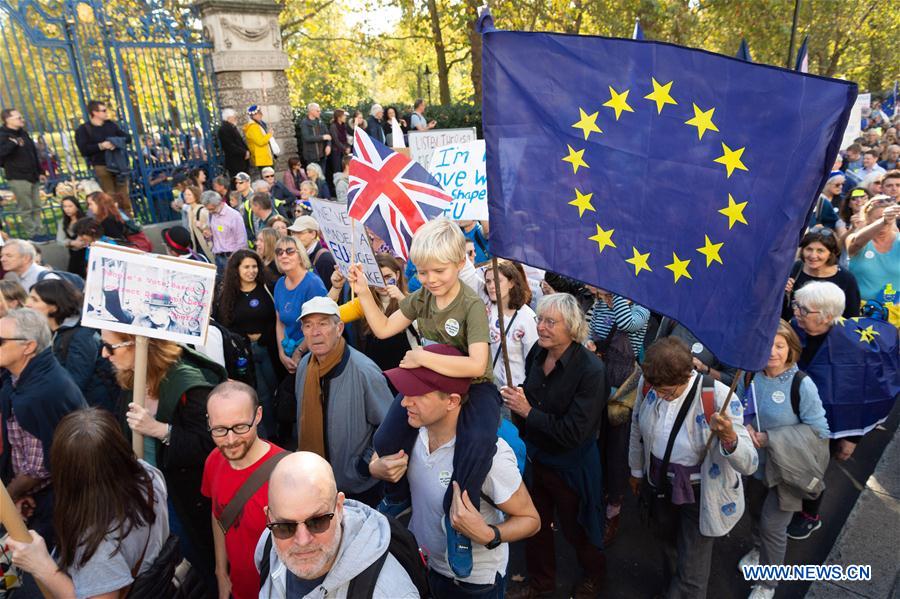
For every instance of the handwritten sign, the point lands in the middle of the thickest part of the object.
(854, 123)
(422, 144)
(162, 297)
(461, 171)
(338, 233)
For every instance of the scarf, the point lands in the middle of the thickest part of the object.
(311, 433)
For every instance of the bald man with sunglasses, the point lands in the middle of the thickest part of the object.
(317, 541)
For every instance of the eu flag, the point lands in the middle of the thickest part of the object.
(675, 177)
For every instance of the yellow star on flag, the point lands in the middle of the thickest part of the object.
(679, 267)
(702, 121)
(734, 212)
(731, 159)
(660, 95)
(618, 102)
(639, 261)
(588, 123)
(711, 251)
(603, 238)
(575, 158)
(867, 334)
(582, 201)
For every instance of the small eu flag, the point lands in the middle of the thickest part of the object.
(678, 178)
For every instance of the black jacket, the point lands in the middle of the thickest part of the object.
(374, 129)
(312, 132)
(235, 149)
(20, 162)
(567, 404)
(88, 138)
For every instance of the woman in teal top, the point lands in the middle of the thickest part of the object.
(875, 255)
(769, 406)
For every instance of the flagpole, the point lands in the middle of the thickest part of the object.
(724, 410)
(352, 252)
(495, 267)
(790, 56)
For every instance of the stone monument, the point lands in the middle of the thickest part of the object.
(249, 64)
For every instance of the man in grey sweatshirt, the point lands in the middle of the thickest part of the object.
(317, 541)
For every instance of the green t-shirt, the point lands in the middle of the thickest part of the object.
(460, 324)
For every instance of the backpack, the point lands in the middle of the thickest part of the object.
(238, 355)
(403, 547)
(70, 277)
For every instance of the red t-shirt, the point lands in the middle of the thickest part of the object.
(220, 483)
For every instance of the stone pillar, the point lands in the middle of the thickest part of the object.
(249, 64)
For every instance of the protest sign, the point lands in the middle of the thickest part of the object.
(422, 144)
(344, 240)
(461, 171)
(854, 123)
(147, 294)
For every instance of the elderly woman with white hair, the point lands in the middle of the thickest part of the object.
(557, 411)
(825, 213)
(373, 123)
(316, 175)
(840, 357)
(237, 154)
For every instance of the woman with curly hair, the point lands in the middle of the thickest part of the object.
(246, 306)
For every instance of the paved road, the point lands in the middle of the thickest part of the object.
(634, 570)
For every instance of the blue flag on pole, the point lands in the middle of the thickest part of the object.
(675, 177)
(857, 373)
(743, 52)
(889, 106)
(802, 64)
(638, 33)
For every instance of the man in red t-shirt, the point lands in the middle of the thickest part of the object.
(233, 413)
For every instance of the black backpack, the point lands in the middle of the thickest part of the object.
(238, 355)
(403, 547)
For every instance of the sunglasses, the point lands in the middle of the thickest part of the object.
(822, 231)
(284, 530)
(5, 339)
(110, 348)
(283, 251)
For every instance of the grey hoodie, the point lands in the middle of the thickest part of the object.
(366, 535)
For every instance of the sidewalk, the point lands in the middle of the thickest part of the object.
(871, 535)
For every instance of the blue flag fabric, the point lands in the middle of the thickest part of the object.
(890, 103)
(743, 52)
(857, 373)
(678, 178)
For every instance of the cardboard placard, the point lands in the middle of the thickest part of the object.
(148, 295)
(339, 234)
(422, 144)
(461, 170)
(854, 123)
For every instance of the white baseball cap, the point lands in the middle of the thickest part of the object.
(320, 305)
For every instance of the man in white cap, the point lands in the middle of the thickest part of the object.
(342, 397)
(307, 232)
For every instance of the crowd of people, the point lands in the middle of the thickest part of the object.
(362, 407)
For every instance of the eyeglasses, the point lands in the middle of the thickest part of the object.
(283, 251)
(268, 176)
(5, 339)
(548, 322)
(284, 530)
(802, 310)
(112, 347)
(237, 429)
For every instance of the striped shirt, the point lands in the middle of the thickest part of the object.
(630, 318)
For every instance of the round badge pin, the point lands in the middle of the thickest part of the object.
(452, 327)
(254, 303)
(869, 254)
(697, 348)
(778, 396)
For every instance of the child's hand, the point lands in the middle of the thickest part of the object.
(358, 281)
(412, 359)
(394, 292)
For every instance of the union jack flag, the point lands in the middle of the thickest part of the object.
(391, 194)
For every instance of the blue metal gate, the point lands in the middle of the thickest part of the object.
(146, 58)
